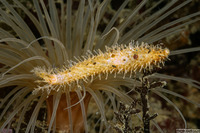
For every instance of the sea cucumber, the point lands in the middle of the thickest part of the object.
(117, 59)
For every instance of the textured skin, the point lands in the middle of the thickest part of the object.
(117, 59)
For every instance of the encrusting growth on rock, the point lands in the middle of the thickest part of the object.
(117, 59)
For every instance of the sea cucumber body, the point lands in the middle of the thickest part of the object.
(117, 59)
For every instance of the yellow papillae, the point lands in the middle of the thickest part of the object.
(117, 59)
